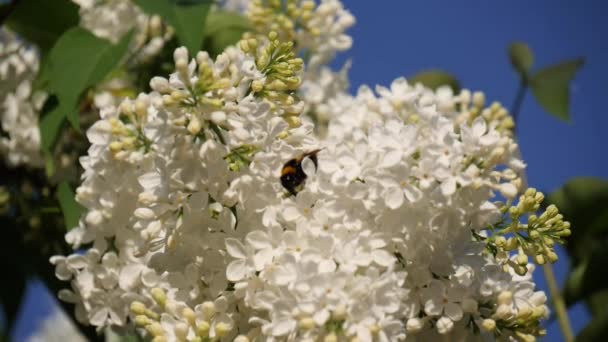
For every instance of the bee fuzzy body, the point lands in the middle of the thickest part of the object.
(292, 174)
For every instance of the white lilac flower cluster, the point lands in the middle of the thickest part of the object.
(113, 19)
(19, 102)
(396, 232)
(319, 31)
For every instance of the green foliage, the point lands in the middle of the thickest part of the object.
(223, 29)
(435, 79)
(550, 87)
(186, 17)
(78, 61)
(118, 334)
(521, 57)
(69, 207)
(584, 202)
(42, 22)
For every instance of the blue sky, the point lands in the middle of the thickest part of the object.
(468, 38)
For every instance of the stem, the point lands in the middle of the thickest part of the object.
(519, 99)
(558, 303)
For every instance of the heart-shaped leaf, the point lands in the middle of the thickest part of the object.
(69, 207)
(521, 58)
(551, 87)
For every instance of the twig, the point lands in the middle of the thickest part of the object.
(519, 99)
(558, 304)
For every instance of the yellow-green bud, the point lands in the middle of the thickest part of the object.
(505, 297)
(155, 329)
(331, 337)
(208, 309)
(142, 321)
(138, 308)
(159, 296)
(306, 323)
(189, 315)
(539, 259)
(203, 328)
(522, 259)
(222, 329)
(488, 325)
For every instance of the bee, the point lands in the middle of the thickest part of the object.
(292, 175)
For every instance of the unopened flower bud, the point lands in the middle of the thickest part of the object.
(208, 309)
(142, 321)
(189, 315)
(222, 329)
(521, 259)
(194, 126)
(202, 329)
(306, 323)
(539, 259)
(241, 338)
(488, 325)
(159, 296)
(138, 308)
(331, 337)
(155, 329)
(505, 297)
(414, 325)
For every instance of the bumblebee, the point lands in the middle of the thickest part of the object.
(292, 174)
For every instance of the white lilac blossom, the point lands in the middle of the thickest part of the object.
(20, 104)
(113, 19)
(319, 33)
(398, 232)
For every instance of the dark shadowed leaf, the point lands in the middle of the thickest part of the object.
(521, 58)
(596, 331)
(70, 208)
(119, 334)
(42, 22)
(50, 123)
(78, 61)
(186, 17)
(583, 202)
(435, 79)
(598, 302)
(588, 277)
(551, 87)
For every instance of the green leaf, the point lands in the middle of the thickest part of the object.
(223, 29)
(435, 79)
(50, 123)
(597, 330)
(121, 334)
(588, 277)
(186, 17)
(583, 202)
(551, 87)
(42, 22)
(521, 58)
(78, 61)
(598, 302)
(70, 208)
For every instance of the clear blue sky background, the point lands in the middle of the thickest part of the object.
(395, 38)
